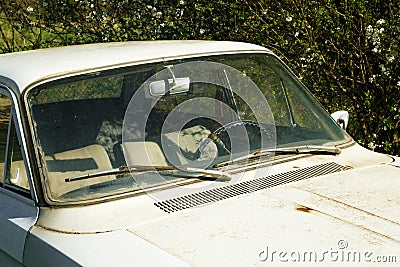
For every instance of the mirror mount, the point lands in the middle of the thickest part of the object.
(172, 74)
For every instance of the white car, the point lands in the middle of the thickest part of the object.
(177, 153)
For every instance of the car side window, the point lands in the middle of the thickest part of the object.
(5, 115)
(12, 166)
(16, 171)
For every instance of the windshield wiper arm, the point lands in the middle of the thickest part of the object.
(149, 168)
(296, 150)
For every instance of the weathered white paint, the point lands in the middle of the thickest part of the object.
(359, 206)
(17, 215)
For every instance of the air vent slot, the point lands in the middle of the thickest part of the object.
(220, 193)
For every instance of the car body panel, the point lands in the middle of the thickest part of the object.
(236, 232)
(311, 215)
(308, 215)
(17, 216)
(358, 207)
(117, 248)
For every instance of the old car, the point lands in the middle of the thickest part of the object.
(183, 153)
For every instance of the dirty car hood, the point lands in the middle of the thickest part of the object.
(351, 216)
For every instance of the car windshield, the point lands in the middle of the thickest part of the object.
(193, 114)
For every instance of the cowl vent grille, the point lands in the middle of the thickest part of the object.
(220, 193)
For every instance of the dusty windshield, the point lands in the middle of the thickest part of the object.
(190, 114)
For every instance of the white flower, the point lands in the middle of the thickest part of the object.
(398, 83)
(202, 31)
(381, 21)
(369, 31)
(181, 2)
(289, 19)
(296, 34)
(29, 9)
(390, 58)
(371, 145)
(376, 40)
(373, 78)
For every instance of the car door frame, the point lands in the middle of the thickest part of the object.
(18, 210)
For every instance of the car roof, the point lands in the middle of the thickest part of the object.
(22, 69)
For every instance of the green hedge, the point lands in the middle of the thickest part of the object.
(346, 52)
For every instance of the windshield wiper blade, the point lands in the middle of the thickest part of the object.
(148, 168)
(296, 150)
(307, 149)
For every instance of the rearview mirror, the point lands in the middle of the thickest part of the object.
(169, 86)
(341, 117)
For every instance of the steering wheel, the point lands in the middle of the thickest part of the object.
(254, 131)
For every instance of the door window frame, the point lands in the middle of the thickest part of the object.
(15, 122)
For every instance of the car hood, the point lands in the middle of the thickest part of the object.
(347, 215)
(354, 212)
